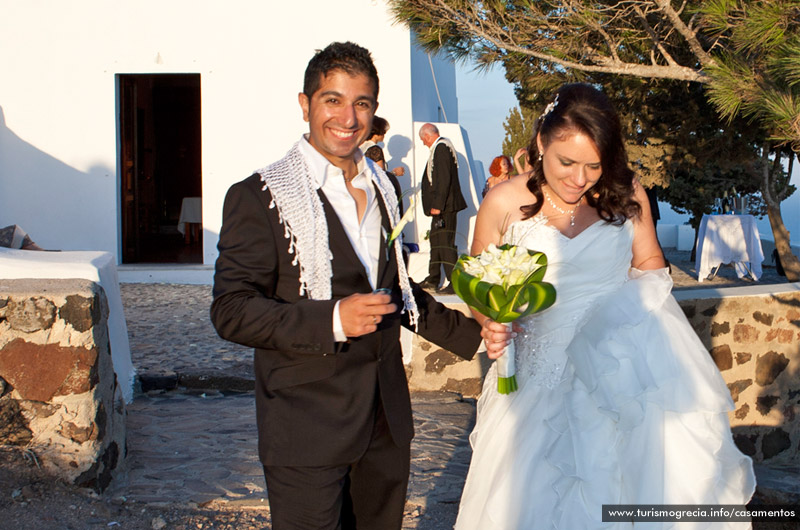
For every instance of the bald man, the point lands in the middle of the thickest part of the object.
(441, 200)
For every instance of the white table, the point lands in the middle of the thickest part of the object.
(728, 239)
(191, 218)
(98, 267)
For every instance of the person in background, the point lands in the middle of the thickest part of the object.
(499, 171)
(521, 162)
(441, 200)
(374, 152)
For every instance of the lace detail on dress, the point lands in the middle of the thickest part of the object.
(518, 230)
(541, 352)
(533, 365)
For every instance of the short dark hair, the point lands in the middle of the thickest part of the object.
(582, 108)
(379, 126)
(346, 56)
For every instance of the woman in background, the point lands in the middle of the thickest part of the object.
(500, 171)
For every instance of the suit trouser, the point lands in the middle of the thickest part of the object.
(443, 246)
(368, 494)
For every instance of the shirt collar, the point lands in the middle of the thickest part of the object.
(319, 166)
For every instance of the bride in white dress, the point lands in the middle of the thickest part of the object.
(618, 401)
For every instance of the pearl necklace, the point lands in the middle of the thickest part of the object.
(563, 211)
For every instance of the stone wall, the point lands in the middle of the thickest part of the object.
(59, 396)
(752, 334)
(754, 338)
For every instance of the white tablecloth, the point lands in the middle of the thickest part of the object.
(728, 239)
(99, 267)
(191, 212)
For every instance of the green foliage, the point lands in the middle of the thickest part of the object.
(743, 56)
(519, 127)
(757, 69)
(747, 52)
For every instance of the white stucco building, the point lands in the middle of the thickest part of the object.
(112, 112)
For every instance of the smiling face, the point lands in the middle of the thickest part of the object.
(571, 165)
(339, 115)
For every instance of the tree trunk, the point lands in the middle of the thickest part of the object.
(791, 265)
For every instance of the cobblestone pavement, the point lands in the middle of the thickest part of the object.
(172, 338)
(192, 447)
(196, 441)
(198, 444)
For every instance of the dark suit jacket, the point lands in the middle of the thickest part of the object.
(316, 398)
(444, 192)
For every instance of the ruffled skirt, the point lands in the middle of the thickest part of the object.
(639, 417)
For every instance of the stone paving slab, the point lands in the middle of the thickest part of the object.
(191, 447)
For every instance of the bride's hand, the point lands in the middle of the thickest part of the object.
(496, 336)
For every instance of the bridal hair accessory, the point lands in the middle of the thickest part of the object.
(563, 211)
(549, 108)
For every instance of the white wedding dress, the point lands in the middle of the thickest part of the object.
(618, 400)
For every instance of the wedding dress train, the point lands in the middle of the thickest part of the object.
(618, 401)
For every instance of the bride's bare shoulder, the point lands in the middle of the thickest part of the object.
(513, 190)
(501, 206)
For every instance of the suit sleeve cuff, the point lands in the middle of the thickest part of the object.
(338, 329)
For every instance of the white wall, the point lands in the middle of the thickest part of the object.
(58, 128)
(435, 94)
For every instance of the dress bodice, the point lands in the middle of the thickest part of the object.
(583, 269)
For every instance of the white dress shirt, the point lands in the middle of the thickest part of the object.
(365, 235)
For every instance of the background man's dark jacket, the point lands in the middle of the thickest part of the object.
(443, 191)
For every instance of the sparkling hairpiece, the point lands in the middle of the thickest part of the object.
(549, 108)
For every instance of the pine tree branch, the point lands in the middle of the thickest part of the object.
(688, 34)
(490, 33)
(656, 40)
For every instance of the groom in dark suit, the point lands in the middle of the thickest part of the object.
(305, 276)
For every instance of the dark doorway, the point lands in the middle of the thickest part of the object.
(160, 154)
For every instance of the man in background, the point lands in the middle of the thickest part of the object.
(441, 200)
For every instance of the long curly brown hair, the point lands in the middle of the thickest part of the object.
(581, 108)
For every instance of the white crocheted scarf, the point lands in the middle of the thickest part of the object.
(306, 227)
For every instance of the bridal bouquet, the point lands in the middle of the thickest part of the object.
(504, 283)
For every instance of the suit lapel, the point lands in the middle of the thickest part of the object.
(386, 256)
